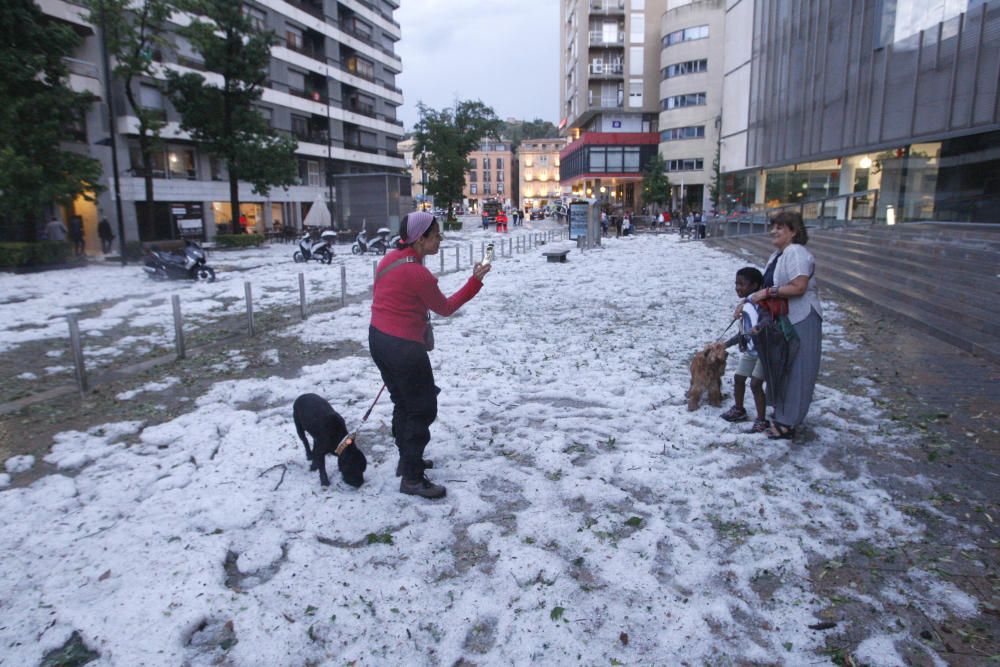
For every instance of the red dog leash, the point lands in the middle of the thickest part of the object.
(351, 437)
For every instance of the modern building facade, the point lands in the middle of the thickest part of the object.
(893, 108)
(691, 72)
(331, 85)
(538, 171)
(489, 175)
(609, 96)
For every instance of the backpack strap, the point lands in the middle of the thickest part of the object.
(397, 263)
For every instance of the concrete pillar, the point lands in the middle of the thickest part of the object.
(848, 167)
(760, 187)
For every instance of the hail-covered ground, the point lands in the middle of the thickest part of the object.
(590, 518)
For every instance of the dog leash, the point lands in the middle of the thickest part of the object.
(350, 438)
(727, 329)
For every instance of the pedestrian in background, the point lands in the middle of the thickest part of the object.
(54, 231)
(76, 234)
(107, 236)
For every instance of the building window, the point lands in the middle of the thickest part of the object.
(313, 169)
(150, 97)
(686, 67)
(486, 188)
(486, 176)
(300, 127)
(499, 164)
(473, 176)
(499, 176)
(486, 163)
(685, 35)
(472, 163)
(361, 67)
(499, 188)
(689, 164)
(258, 19)
(679, 101)
(679, 133)
(296, 81)
(180, 162)
(473, 188)
(294, 38)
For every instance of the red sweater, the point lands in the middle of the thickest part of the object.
(404, 295)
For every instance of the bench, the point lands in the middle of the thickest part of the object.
(556, 255)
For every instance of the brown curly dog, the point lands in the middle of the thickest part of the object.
(707, 369)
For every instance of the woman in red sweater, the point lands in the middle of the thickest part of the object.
(404, 293)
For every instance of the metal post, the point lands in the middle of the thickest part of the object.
(178, 327)
(249, 297)
(472, 259)
(482, 250)
(458, 261)
(374, 271)
(343, 284)
(77, 349)
(302, 295)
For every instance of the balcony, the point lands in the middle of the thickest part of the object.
(598, 38)
(378, 11)
(307, 7)
(311, 95)
(607, 7)
(307, 50)
(311, 136)
(354, 146)
(606, 102)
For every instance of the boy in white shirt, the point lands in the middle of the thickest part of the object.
(748, 281)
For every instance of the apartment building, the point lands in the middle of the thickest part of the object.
(331, 84)
(609, 96)
(691, 73)
(879, 110)
(489, 174)
(538, 162)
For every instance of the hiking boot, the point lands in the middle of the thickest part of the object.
(428, 464)
(759, 426)
(735, 414)
(422, 487)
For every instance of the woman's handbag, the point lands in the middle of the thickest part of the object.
(775, 305)
(429, 334)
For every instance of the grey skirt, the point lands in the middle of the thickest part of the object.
(801, 379)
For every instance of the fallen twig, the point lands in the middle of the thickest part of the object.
(284, 469)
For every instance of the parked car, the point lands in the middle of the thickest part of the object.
(537, 214)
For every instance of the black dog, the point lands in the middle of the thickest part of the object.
(315, 416)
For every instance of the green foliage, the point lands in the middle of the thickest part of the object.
(38, 106)
(655, 182)
(518, 131)
(443, 141)
(715, 187)
(379, 538)
(557, 613)
(452, 225)
(43, 253)
(634, 522)
(238, 240)
(223, 118)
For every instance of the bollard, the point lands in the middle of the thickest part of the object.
(77, 349)
(472, 261)
(302, 295)
(482, 250)
(343, 284)
(458, 261)
(374, 272)
(249, 296)
(178, 328)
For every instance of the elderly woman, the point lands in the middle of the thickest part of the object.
(398, 340)
(789, 275)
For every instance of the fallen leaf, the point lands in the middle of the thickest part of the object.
(104, 576)
(623, 638)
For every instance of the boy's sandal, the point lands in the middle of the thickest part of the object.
(759, 426)
(780, 432)
(735, 414)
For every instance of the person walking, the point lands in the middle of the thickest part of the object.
(789, 275)
(54, 231)
(107, 236)
(76, 234)
(400, 336)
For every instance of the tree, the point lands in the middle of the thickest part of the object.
(133, 31)
(655, 183)
(715, 187)
(222, 117)
(518, 131)
(38, 107)
(442, 143)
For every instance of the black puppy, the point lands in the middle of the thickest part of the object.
(315, 416)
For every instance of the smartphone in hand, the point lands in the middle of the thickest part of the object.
(489, 255)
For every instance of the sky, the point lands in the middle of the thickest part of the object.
(590, 517)
(505, 54)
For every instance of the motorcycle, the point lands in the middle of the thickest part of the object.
(188, 263)
(377, 245)
(321, 250)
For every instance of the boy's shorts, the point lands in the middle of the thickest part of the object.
(750, 366)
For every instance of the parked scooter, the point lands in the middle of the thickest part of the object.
(377, 245)
(188, 263)
(321, 250)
